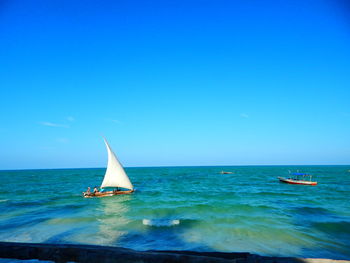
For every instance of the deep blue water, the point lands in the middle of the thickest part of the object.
(184, 208)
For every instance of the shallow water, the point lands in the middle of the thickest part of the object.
(184, 208)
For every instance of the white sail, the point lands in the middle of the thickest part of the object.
(115, 175)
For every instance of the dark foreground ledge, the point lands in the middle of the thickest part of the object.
(88, 253)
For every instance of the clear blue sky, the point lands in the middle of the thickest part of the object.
(174, 82)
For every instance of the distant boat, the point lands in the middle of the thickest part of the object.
(298, 178)
(223, 172)
(115, 177)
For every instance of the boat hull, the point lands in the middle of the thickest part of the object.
(108, 193)
(293, 181)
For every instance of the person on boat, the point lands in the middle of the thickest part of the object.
(95, 190)
(88, 192)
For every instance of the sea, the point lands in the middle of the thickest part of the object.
(184, 208)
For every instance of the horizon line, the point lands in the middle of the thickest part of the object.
(174, 166)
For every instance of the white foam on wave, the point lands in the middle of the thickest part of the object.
(160, 222)
(3, 200)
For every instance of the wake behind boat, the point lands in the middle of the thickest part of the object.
(298, 178)
(115, 177)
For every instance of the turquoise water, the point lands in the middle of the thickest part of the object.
(184, 208)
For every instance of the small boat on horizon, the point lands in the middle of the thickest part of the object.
(298, 178)
(223, 172)
(115, 177)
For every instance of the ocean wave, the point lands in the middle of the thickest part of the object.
(313, 211)
(334, 228)
(281, 194)
(161, 222)
(27, 203)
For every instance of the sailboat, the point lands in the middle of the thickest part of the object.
(115, 177)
